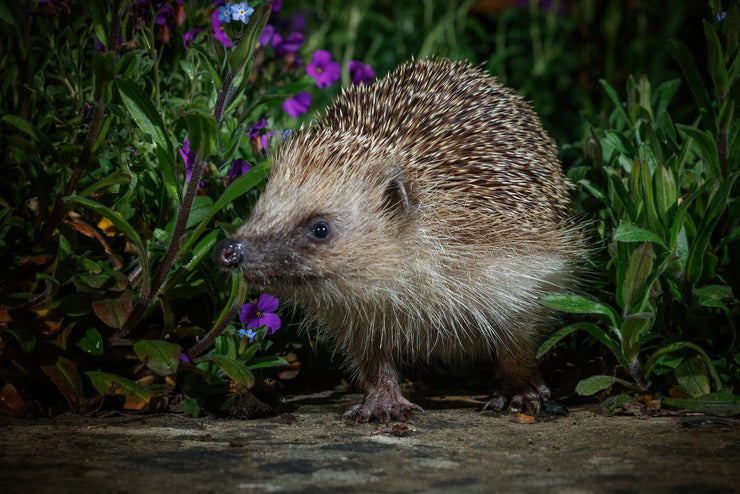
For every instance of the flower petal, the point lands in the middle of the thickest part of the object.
(272, 321)
(248, 313)
(267, 303)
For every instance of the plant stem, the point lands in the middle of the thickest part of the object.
(148, 293)
(206, 342)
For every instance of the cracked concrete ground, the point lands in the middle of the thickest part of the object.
(453, 447)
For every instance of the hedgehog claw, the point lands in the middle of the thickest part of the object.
(369, 410)
(526, 400)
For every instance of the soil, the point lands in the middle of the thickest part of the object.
(452, 447)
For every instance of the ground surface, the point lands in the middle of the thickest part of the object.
(453, 447)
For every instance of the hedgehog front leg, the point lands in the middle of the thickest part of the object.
(522, 387)
(382, 399)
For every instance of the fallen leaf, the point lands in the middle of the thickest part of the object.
(114, 312)
(521, 418)
(11, 403)
(66, 378)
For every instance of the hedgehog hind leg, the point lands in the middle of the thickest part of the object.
(522, 388)
(383, 400)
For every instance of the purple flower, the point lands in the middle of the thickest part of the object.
(165, 14)
(288, 45)
(276, 6)
(189, 37)
(323, 69)
(265, 140)
(224, 13)
(248, 333)
(184, 358)
(241, 12)
(298, 104)
(218, 29)
(189, 158)
(261, 314)
(360, 73)
(254, 130)
(238, 168)
(266, 36)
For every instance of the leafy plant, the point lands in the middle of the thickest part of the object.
(105, 223)
(667, 216)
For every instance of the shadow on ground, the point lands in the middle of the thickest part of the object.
(453, 447)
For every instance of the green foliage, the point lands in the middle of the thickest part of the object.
(105, 281)
(102, 238)
(664, 196)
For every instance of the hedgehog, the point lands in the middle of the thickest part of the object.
(420, 219)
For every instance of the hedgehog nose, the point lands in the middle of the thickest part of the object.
(228, 252)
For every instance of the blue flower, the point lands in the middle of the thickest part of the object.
(224, 13)
(248, 333)
(241, 12)
(261, 314)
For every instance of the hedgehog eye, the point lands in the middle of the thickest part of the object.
(320, 230)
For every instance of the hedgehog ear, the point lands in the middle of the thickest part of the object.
(395, 197)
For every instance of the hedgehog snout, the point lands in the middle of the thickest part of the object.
(229, 252)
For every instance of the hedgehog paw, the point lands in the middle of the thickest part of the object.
(383, 411)
(526, 399)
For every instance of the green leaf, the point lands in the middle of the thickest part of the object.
(646, 184)
(243, 52)
(199, 211)
(206, 60)
(92, 342)
(695, 263)
(137, 396)
(692, 377)
(723, 404)
(594, 384)
(100, 21)
(262, 362)
(590, 328)
(116, 178)
(144, 113)
(622, 194)
(160, 356)
(235, 369)
(236, 189)
(23, 126)
(628, 232)
(25, 338)
(707, 146)
(664, 93)
(203, 249)
(634, 288)
(167, 168)
(66, 378)
(104, 72)
(123, 226)
(681, 54)
(114, 312)
(612, 93)
(666, 200)
(632, 327)
(715, 59)
(202, 132)
(578, 304)
(679, 346)
(713, 295)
